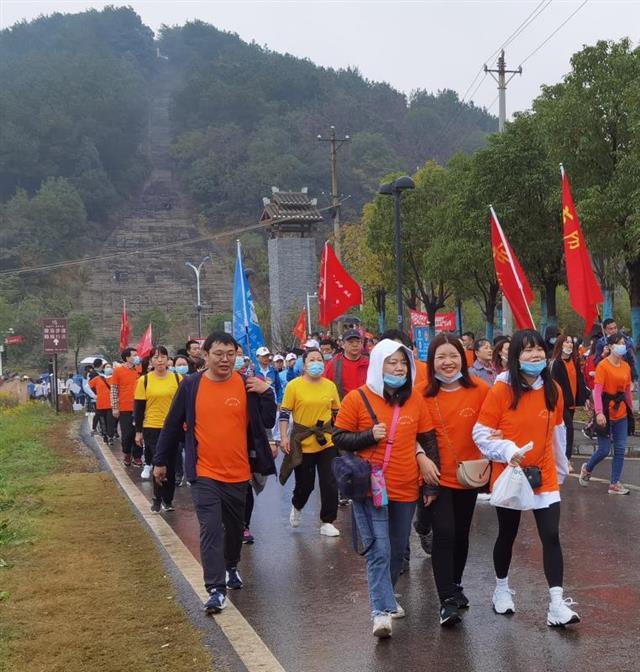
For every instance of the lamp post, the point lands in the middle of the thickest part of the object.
(395, 189)
(196, 270)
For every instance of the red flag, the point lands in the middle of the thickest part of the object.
(584, 290)
(337, 291)
(146, 343)
(511, 278)
(125, 328)
(300, 329)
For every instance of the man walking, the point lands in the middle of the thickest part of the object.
(225, 440)
(348, 370)
(123, 387)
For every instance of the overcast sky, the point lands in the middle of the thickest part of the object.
(410, 44)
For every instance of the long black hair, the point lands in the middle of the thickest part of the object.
(434, 384)
(519, 341)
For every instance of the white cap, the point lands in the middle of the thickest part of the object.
(278, 358)
(261, 352)
(291, 356)
(312, 343)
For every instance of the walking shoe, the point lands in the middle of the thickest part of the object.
(426, 542)
(560, 614)
(462, 601)
(343, 501)
(382, 626)
(168, 507)
(233, 579)
(587, 432)
(146, 472)
(137, 462)
(247, 537)
(449, 613)
(216, 602)
(484, 496)
(127, 460)
(295, 517)
(399, 612)
(584, 476)
(329, 530)
(179, 482)
(155, 506)
(503, 600)
(618, 489)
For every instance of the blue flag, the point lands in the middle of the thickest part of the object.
(246, 329)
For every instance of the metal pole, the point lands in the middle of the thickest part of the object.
(396, 196)
(196, 270)
(1, 351)
(54, 388)
(335, 199)
(308, 314)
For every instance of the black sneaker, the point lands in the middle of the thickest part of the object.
(155, 506)
(216, 603)
(462, 601)
(168, 507)
(234, 582)
(426, 541)
(449, 613)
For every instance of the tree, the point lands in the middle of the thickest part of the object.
(80, 333)
(160, 325)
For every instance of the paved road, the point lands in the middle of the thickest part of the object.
(306, 595)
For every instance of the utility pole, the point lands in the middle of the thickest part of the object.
(336, 143)
(197, 269)
(501, 79)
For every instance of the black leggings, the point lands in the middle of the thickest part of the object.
(548, 522)
(451, 515)
(248, 506)
(568, 423)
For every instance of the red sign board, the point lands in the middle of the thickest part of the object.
(444, 321)
(14, 340)
(55, 335)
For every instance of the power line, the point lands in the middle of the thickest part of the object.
(527, 23)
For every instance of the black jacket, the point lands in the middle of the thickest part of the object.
(560, 375)
(262, 416)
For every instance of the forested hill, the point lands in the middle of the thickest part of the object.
(246, 118)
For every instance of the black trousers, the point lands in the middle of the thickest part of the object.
(106, 423)
(220, 509)
(422, 523)
(306, 478)
(161, 493)
(568, 423)
(128, 435)
(248, 507)
(451, 515)
(548, 523)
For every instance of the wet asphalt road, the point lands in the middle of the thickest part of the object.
(306, 595)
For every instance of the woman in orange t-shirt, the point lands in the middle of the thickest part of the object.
(613, 404)
(382, 421)
(453, 399)
(525, 404)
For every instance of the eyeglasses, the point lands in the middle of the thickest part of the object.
(223, 356)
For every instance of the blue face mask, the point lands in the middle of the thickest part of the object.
(619, 349)
(446, 379)
(136, 361)
(171, 369)
(183, 369)
(533, 369)
(239, 363)
(394, 382)
(108, 372)
(327, 356)
(315, 369)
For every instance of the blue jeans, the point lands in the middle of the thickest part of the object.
(617, 432)
(385, 532)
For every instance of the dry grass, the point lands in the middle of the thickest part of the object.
(83, 587)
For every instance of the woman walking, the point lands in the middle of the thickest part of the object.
(526, 406)
(154, 393)
(453, 399)
(613, 406)
(312, 402)
(500, 355)
(382, 422)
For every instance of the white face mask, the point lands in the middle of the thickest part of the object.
(567, 351)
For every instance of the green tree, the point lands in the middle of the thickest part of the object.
(160, 325)
(80, 333)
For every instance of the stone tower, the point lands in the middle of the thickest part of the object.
(292, 218)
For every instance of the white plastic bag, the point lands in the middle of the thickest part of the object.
(512, 490)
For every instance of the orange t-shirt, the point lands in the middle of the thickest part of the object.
(402, 476)
(126, 379)
(221, 430)
(614, 379)
(530, 421)
(573, 378)
(100, 385)
(422, 376)
(470, 356)
(453, 415)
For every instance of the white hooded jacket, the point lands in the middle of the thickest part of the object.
(375, 375)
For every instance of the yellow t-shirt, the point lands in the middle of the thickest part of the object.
(309, 403)
(158, 395)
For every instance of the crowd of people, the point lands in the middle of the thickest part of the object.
(432, 436)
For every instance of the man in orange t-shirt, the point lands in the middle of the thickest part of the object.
(123, 387)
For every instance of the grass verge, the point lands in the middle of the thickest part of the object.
(82, 586)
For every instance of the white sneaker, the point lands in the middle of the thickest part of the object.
(146, 472)
(584, 476)
(617, 489)
(503, 600)
(382, 626)
(399, 612)
(329, 530)
(295, 517)
(484, 497)
(560, 614)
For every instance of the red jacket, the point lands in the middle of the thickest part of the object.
(347, 374)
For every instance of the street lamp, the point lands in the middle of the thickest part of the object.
(395, 189)
(196, 270)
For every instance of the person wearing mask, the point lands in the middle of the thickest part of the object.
(382, 421)
(181, 367)
(268, 372)
(482, 367)
(90, 397)
(278, 365)
(421, 367)
(500, 355)
(311, 402)
(468, 339)
(154, 393)
(287, 374)
(226, 419)
(610, 328)
(348, 370)
(525, 405)
(194, 352)
(100, 383)
(613, 406)
(328, 349)
(453, 400)
(565, 370)
(551, 334)
(123, 387)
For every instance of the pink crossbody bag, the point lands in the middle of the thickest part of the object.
(378, 485)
